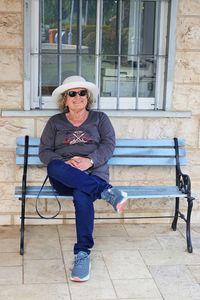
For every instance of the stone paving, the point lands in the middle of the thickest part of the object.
(129, 262)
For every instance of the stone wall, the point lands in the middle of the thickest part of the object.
(186, 97)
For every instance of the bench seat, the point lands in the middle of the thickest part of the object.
(134, 192)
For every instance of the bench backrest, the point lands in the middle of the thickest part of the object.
(133, 152)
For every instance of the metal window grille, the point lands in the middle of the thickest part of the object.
(133, 72)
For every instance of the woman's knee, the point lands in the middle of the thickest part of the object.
(54, 167)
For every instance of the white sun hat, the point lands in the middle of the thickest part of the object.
(73, 82)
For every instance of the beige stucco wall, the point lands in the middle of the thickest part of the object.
(186, 97)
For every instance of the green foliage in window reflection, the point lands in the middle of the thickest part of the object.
(109, 43)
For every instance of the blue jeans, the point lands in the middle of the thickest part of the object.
(85, 189)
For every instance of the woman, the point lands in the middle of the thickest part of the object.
(76, 145)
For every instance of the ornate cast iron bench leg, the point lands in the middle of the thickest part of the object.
(174, 223)
(188, 235)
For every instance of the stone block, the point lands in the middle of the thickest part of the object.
(188, 33)
(187, 67)
(31, 205)
(11, 28)
(147, 220)
(40, 124)
(170, 127)
(189, 7)
(11, 6)
(101, 206)
(152, 206)
(11, 95)
(141, 175)
(7, 167)
(195, 217)
(11, 128)
(16, 221)
(112, 220)
(194, 172)
(66, 206)
(199, 136)
(128, 127)
(7, 189)
(193, 157)
(11, 64)
(151, 128)
(35, 175)
(187, 97)
(9, 206)
(5, 219)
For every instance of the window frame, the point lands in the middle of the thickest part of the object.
(31, 65)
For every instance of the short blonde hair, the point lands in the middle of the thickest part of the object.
(62, 103)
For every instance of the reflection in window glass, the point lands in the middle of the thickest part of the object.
(49, 72)
(68, 64)
(147, 32)
(128, 77)
(66, 45)
(109, 27)
(109, 76)
(48, 59)
(147, 77)
(88, 67)
(130, 27)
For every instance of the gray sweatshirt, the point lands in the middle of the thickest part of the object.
(95, 139)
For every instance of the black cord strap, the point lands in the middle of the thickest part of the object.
(37, 199)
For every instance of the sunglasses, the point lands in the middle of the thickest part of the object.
(81, 93)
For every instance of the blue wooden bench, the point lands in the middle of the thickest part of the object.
(128, 152)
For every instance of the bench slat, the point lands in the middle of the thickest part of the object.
(31, 150)
(20, 141)
(134, 192)
(32, 160)
(147, 152)
(149, 142)
(145, 161)
(121, 151)
(120, 142)
(128, 161)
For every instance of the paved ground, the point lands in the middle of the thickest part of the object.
(144, 261)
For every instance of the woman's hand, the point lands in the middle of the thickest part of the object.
(81, 163)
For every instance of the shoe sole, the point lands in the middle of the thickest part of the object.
(121, 206)
(78, 279)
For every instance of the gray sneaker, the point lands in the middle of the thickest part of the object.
(116, 198)
(81, 268)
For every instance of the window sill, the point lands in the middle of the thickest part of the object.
(110, 113)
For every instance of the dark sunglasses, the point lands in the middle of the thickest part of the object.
(81, 93)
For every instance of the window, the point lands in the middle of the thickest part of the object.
(121, 45)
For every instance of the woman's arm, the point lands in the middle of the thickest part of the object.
(47, 143)
(107, 144)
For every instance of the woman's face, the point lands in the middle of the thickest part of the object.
(76, 99)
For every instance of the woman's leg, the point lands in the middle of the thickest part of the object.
(84, 214)
(61, 188)
(68, 181)
(84, 211)
(94, 186)
(73, 178)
